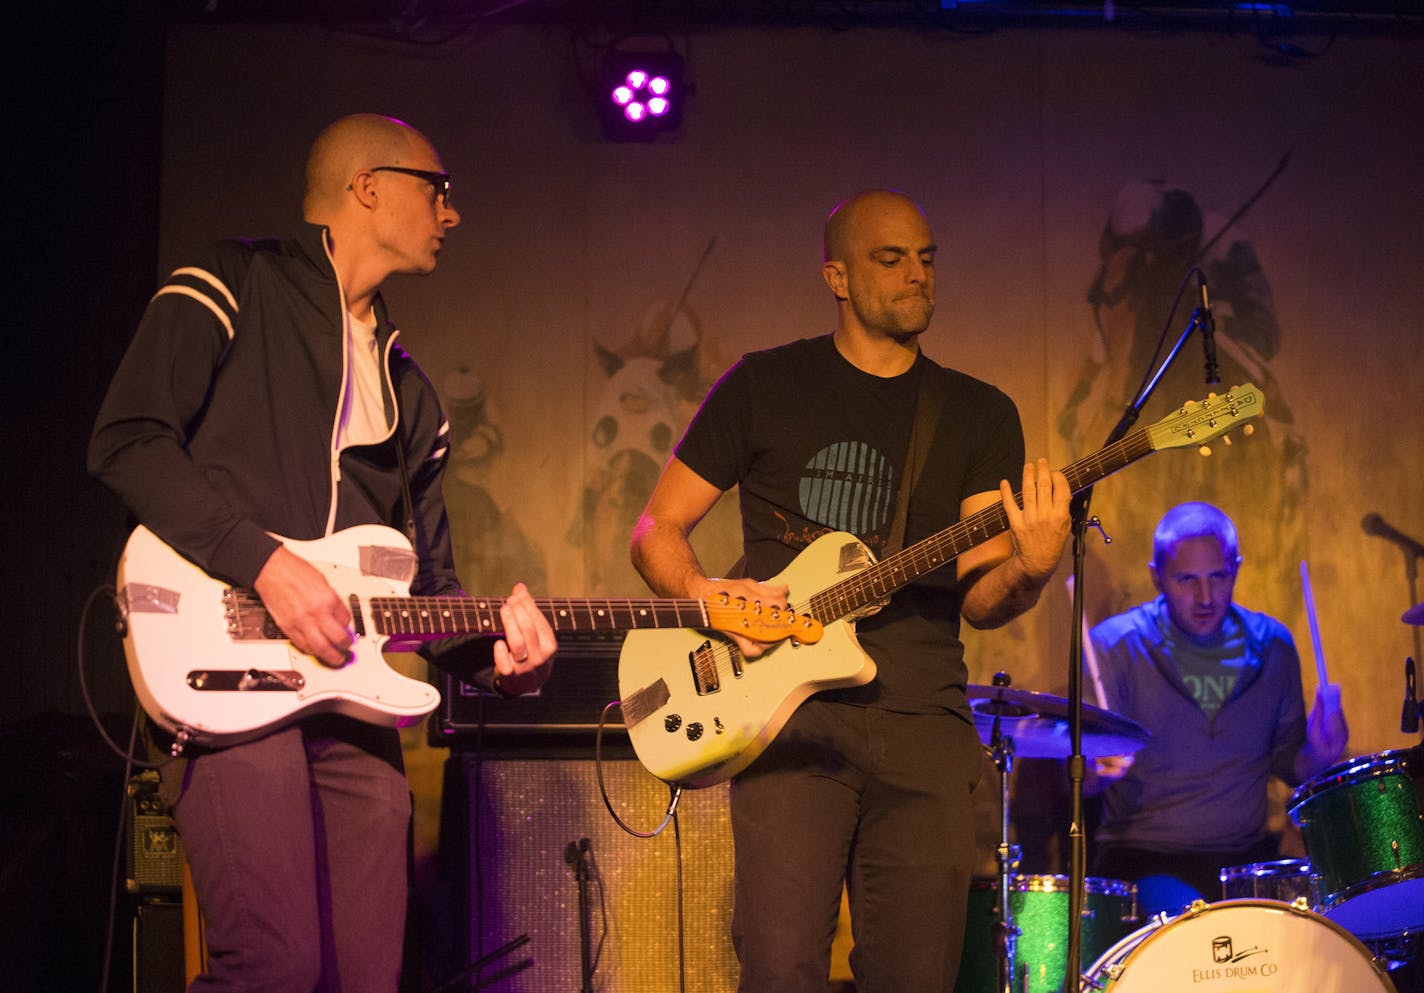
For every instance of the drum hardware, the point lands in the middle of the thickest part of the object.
(1038, 723)
(1409, 714)
(1396, 949)
(1005, 932)
(1013, 722)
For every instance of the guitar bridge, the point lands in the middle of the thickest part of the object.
(247, 617)
(246, 680)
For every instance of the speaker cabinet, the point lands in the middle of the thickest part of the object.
(158, 946)
(513, 831)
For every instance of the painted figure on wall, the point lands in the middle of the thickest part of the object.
(1153, 236)
(652, 383)
(488, 540)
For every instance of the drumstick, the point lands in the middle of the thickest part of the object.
(1314, 624)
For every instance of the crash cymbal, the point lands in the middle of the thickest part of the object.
(1414, 615)
(1038, 723)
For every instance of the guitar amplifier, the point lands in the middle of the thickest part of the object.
(567, 708)
(155, 852)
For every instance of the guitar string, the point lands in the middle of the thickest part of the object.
(885, 577)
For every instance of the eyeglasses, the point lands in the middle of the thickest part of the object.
(439, 180)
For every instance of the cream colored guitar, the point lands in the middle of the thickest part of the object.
(698, 711)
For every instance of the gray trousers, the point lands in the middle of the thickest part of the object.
(298, 848)
(879, 801)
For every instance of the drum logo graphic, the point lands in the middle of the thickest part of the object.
(1228, 959)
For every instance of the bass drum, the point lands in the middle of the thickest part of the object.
(1246, 946)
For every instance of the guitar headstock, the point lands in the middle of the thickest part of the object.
(1199, 421)
(760, 622)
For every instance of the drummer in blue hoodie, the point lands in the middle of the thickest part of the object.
(1219, 687)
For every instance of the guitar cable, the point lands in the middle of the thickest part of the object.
(674, 796)
(126, 754)
(83, 638)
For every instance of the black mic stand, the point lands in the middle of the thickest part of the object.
(1413, 710)
(1077, 765)
(576, 855)
(475, 967)
(1411, 576)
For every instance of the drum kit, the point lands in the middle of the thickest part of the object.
(1336, 922)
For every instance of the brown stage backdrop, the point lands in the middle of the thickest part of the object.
(595, 290)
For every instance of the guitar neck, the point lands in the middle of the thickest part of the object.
(433, 617)
(877, 582)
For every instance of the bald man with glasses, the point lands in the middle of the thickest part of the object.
(263, 395)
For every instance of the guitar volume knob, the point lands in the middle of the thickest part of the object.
(694, 731)
(672, 722)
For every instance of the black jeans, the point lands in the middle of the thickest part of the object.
(880, 801)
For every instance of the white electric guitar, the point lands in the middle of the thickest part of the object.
(209, 665)
(698, 711)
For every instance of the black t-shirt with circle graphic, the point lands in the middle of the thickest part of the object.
(816, 445)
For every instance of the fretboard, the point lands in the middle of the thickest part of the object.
(422, 615)
(877, 582)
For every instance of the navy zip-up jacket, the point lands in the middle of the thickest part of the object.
(219, 425)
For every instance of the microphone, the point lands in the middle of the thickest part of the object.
(1208, 331)
(575, 851)
(1374, 524)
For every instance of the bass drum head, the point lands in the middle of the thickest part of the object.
(1246, 946)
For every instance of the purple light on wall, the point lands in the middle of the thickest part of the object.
(642, 94)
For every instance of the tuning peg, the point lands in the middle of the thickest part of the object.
(1204, 451)
(1226, 439)
(1248, 429)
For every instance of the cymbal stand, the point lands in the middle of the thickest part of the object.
(1006, 932)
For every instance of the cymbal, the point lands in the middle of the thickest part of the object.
(1414, 615)
(1038, 724)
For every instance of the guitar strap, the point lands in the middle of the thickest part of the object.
(928, 402)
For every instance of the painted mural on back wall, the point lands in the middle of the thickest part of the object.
(648, 386)
(490, 543)
(646, 382)
(1153, 235)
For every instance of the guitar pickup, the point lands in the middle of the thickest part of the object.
(703, 662)
(246, 680)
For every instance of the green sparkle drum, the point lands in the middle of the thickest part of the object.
(1362, 826)
(1039, 905)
